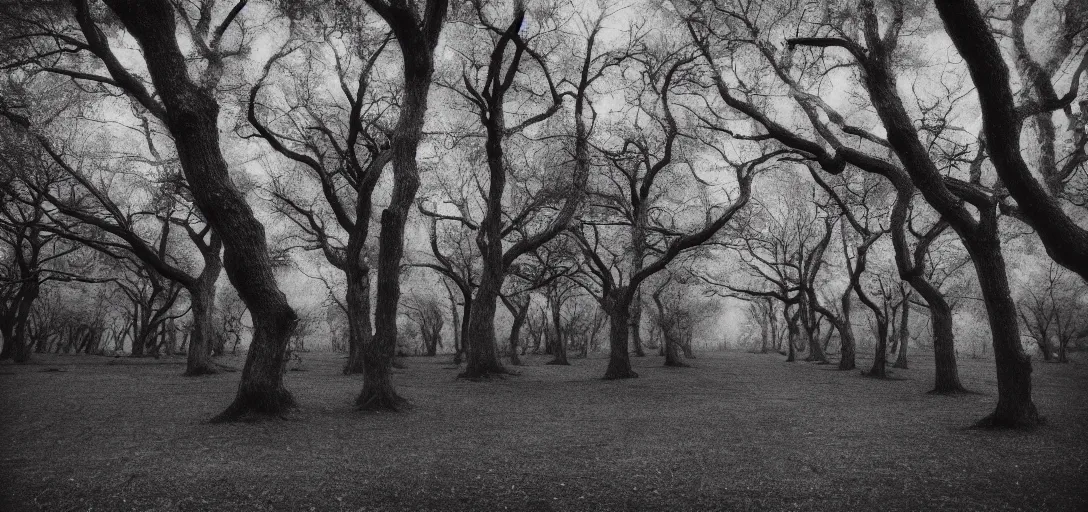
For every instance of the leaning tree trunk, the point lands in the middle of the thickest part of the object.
(191, 114)
(1014, 405)
(946, 374)
(619, 318)
(199, 356)
(904, 337)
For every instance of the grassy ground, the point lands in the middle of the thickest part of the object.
(736, 431)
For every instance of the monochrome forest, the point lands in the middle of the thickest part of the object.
(543, 254)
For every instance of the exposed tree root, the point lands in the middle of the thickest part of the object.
(381, 401)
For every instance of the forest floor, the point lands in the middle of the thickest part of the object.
(734, 431)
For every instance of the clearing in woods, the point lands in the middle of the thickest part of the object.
(736, 431)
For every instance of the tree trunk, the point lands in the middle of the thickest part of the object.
(672, 346)
(879, 369)
(1014, 405)
(191, 114)
(636, 325)
(792, 332)
(515, 334)
(7, 330)
(481, 355)
(466, 313)
(378, 393)
(199, 358)
(358, 313)
(904, 337)
(815, 349)
(847, 358)
(559, 345)
(21, 346)
(946, 374)
(619, 359)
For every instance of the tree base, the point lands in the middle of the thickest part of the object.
(875, 375)
(902, 366)
(616, 375)
(846, 367)
(677, 364)
(250, 407)
(198, 371)
(373, 400)
(1023, 420)
(353, 368)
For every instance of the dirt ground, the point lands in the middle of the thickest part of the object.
(736, 431)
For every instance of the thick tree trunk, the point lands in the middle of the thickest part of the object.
(946, 375)
(199, 358)
(191, 114)
(481, 354)
(619, 359)
(1014, 405)
(358, 315)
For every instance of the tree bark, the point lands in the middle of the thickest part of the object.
(1015, 407)
(481, 354)
(519, 313)
(946, 375)
(619, 359)
(21, 346)
(559, 345)
(636, 324)
(357, 300)
(847, 358)
(199, 357)
(904, 337)
(879, 369)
